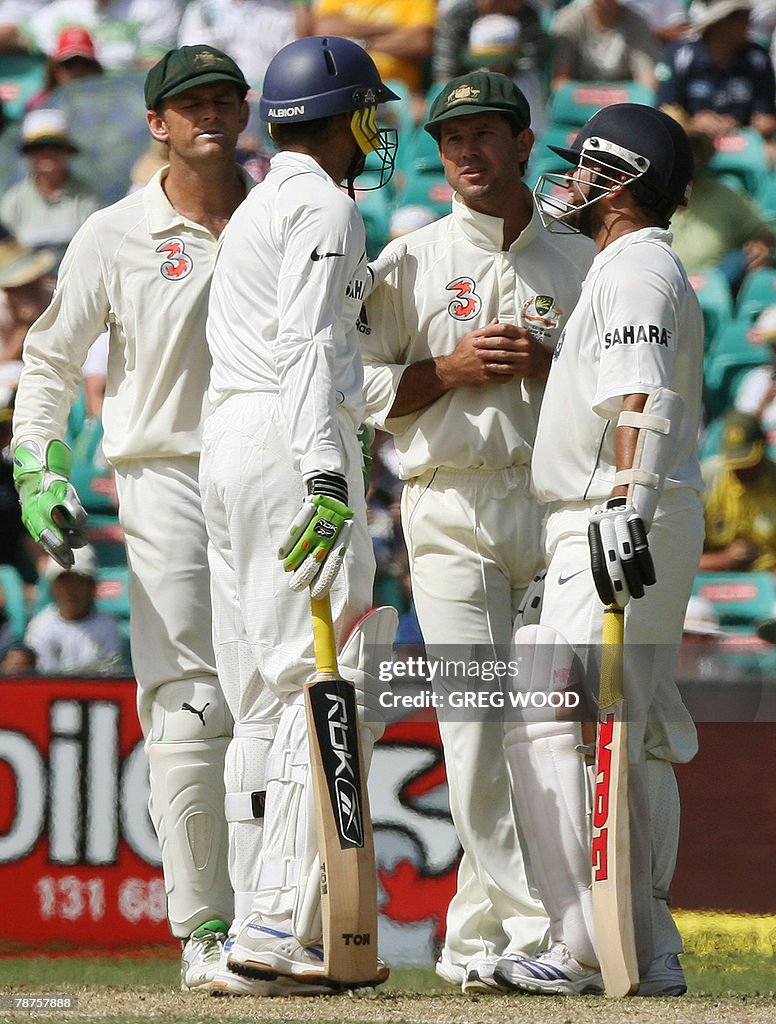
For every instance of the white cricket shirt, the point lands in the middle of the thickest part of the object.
(144, 271)
(454, 278)
(637, 327)
(287, 289)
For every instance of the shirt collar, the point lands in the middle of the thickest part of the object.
(487, 232)
(291, 159)
(643, 234)
(161, 214)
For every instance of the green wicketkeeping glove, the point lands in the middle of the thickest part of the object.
(314, 547)
(51, 510)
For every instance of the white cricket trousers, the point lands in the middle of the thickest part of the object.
(661, 729)
(263, 630)
(184, 718)
(473, 538)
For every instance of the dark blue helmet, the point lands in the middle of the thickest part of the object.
(320, 76)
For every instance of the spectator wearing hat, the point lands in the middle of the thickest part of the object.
(740, 500)
(756, 391)
(602, 40)
(70, 636)
(126, 33)
(699, 654)
(720, 226)
(494, 45)
(73, 58)
(48, 206)
(720, 80)
(454, 25)
(26, 286)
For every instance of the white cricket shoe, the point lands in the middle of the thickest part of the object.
(665, 977)
(476, 976)
(227, 983)
(260, 951)
(450, 972)
(480, 976)
(553, 972)
(202, 954)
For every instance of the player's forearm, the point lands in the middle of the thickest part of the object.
(421, 384)
(409, 43)
(625, 440)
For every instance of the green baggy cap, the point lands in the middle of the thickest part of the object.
(478, 93)
(187, 66)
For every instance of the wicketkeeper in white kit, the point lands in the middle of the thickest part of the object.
(615, 462)
(457, 344)
(282, 472)
(142, 268)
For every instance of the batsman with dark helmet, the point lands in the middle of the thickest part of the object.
(624, 527)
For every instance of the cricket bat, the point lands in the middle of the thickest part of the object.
(348, 872)
(611, 850)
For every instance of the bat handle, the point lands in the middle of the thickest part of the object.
(323, 636)
(611, 682)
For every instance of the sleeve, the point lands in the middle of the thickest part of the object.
(311, 326)
(450, 39)
(40, 638)
(745, 219)
(764, 99)
(384, 350)
(635, 309)
(670, 84)
(57, 343)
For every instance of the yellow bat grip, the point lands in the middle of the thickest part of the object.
(323, 636)
(610, 685)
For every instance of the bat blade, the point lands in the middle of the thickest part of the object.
(611, 848)
(348, 873)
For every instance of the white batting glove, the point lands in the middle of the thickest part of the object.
(380, 268)
(619, 552)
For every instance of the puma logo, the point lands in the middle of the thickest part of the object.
(200, 714)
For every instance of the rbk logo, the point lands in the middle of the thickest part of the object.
(179, 264)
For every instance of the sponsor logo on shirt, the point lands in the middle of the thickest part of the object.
(362, 324)
(179, 264)
(644, 334)
(467, 303)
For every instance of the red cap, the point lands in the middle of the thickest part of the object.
(74, 42)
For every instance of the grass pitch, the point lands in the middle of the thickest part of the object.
(730, 965)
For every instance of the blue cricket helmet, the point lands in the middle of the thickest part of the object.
(320, 76)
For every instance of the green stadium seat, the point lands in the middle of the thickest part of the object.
(574, 103)
(15, 603)
(716, 299)
(728, 358)
(106, 536)
(113, 591)
(741, 154)
(375, 206)
(766, 197)
(742, 599)
(758, 290)
(22, 75)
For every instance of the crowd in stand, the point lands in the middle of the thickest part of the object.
(709, 63)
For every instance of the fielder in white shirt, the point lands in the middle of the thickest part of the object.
(615, 450)
(142, 268)
(457, 343)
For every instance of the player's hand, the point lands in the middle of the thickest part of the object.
(619, 552)
(493, 354)
(380, 268)
(314, 547)
(51, 509)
